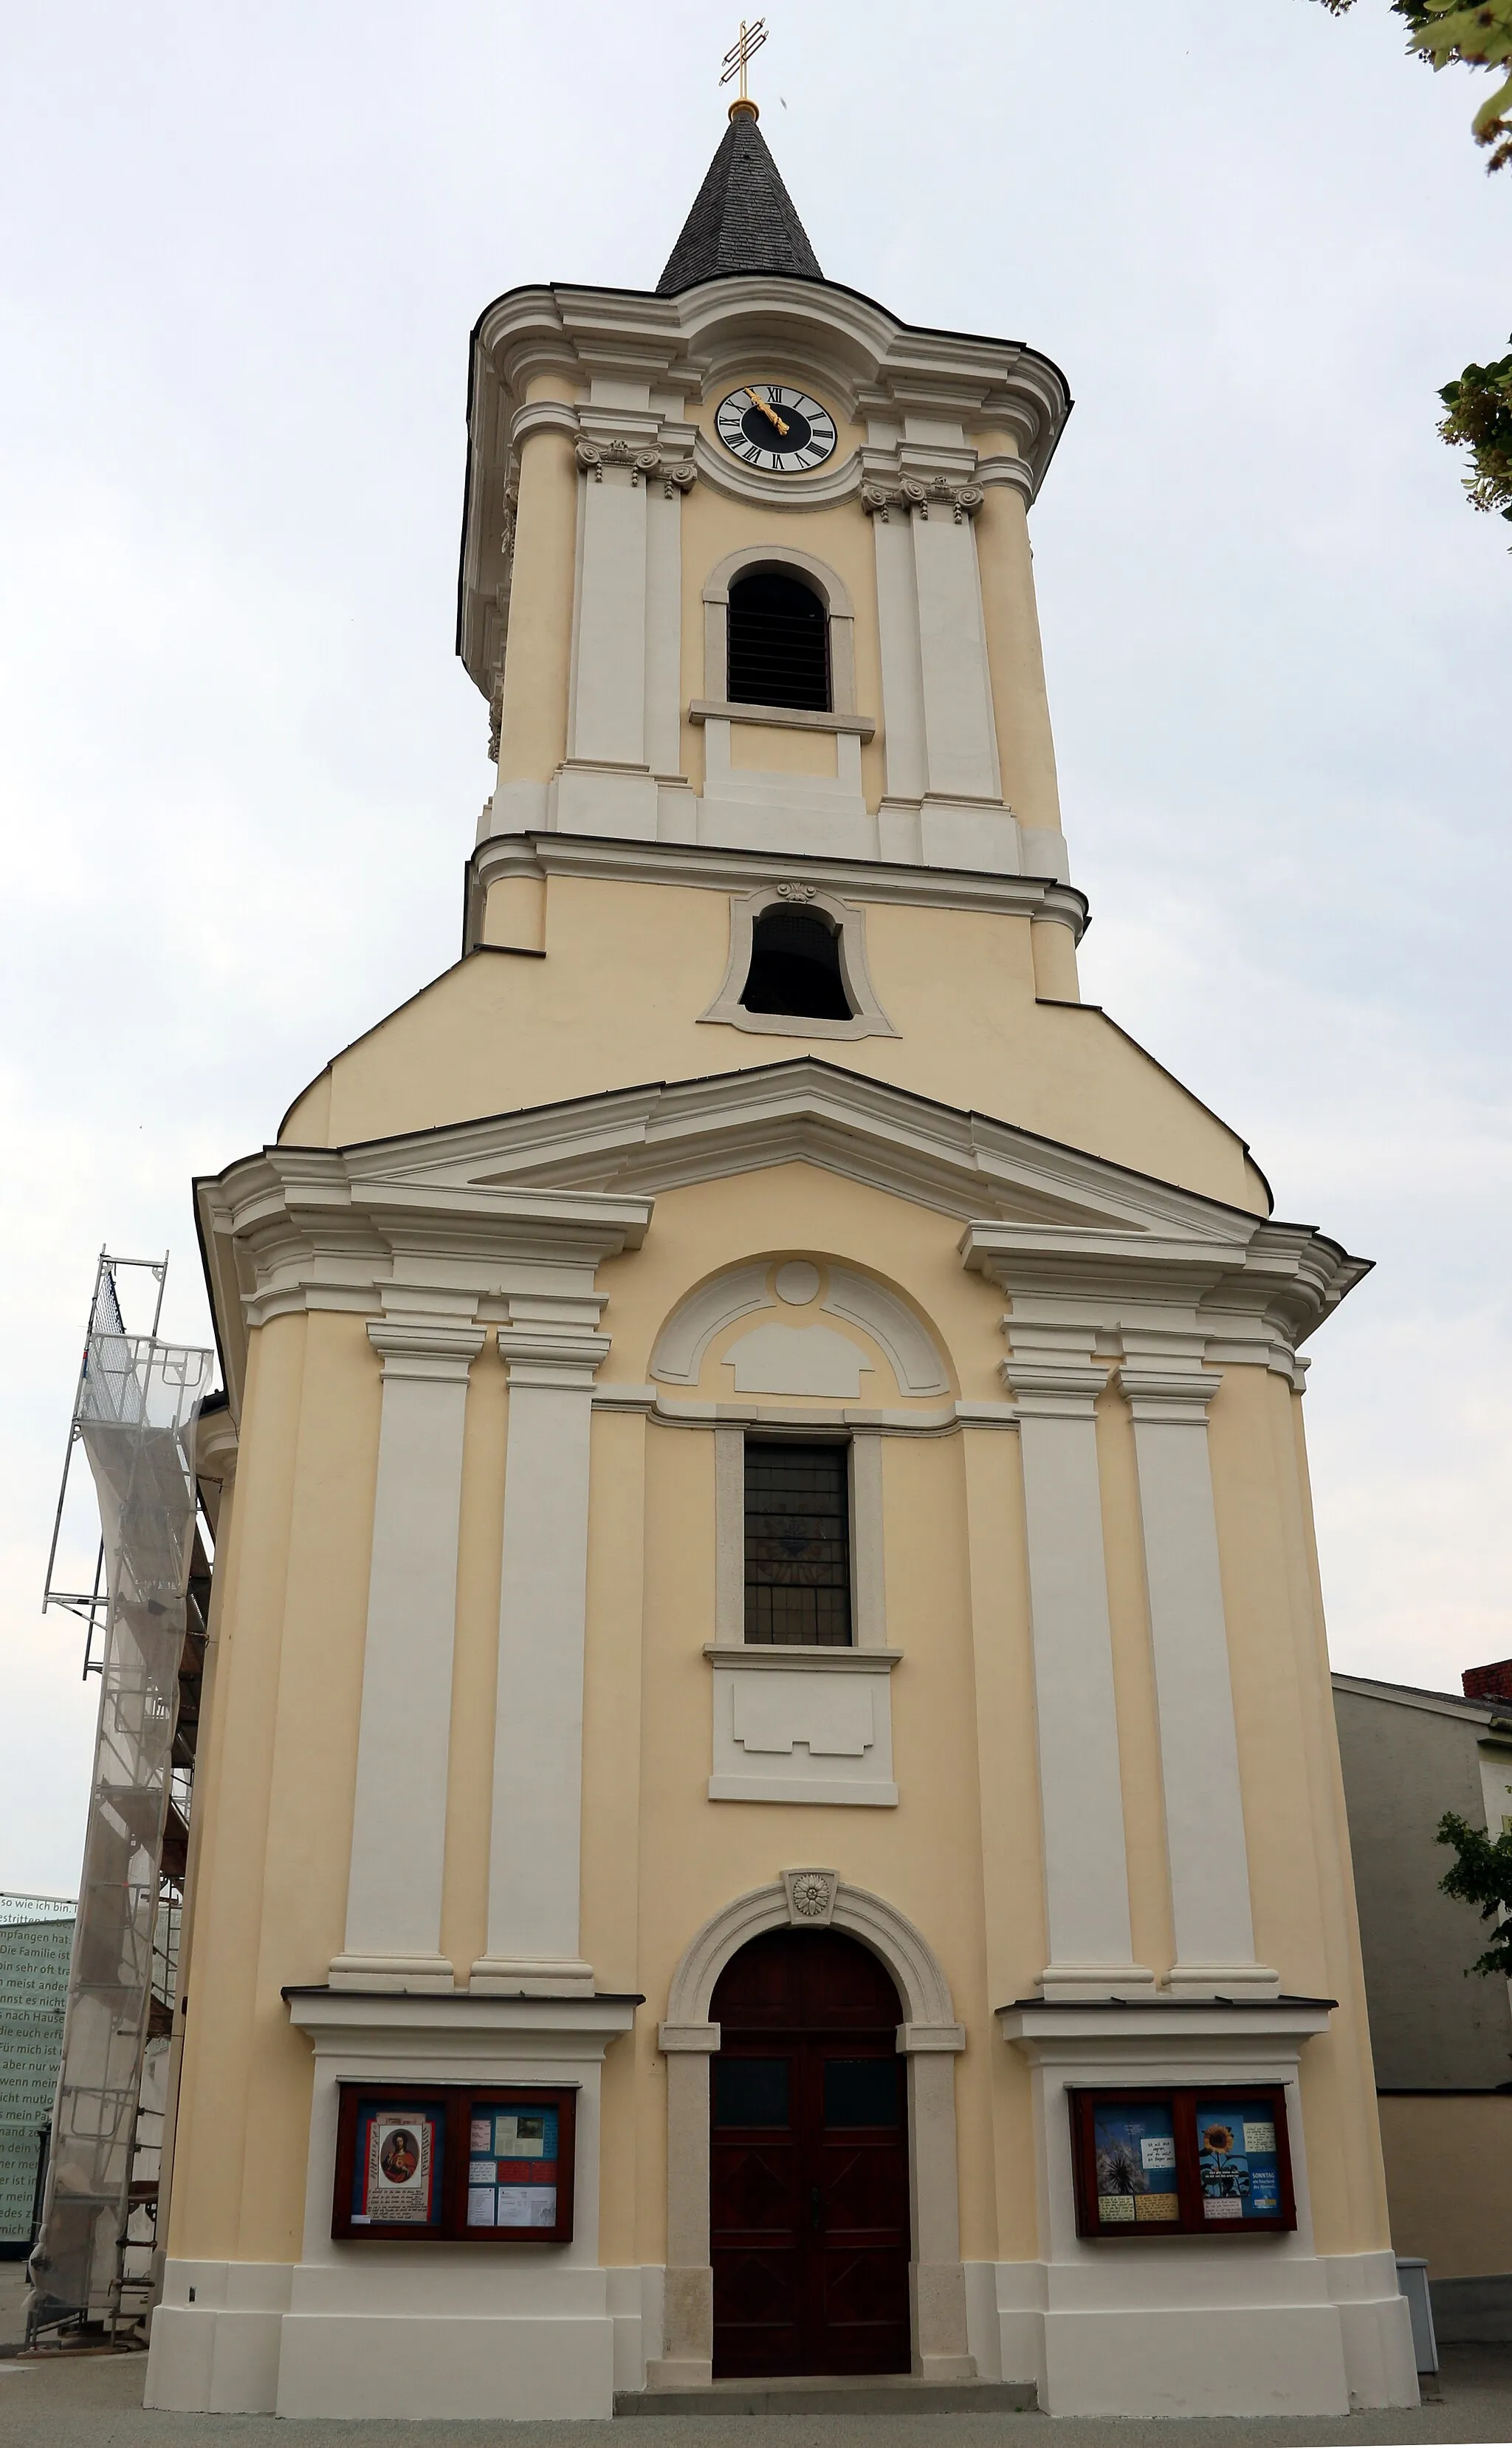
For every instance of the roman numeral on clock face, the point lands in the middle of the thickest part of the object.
(775, 429)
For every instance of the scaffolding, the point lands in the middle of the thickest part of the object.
(94, 2266)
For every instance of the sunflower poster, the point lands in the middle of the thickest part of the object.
(1238, 2164)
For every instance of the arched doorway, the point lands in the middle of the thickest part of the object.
(807, 2161)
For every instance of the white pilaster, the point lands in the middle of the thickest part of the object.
(605, 785)
(902, 677)
(1081, 1786)
(608, 694)
(1204, 1818)
(398, 1836)
(960, 746)
(664, 630)
(535, 1847)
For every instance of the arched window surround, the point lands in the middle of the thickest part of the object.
(930, 2037)
(868, 1016)
(784, 560)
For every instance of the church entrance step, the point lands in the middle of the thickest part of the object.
(872, 2393)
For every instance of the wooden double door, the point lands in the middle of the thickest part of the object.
(808, 2162)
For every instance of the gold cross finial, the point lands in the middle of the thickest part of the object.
(737, 59)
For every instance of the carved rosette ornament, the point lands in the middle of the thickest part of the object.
(916, 496)
(672, 475)
(811, 1897)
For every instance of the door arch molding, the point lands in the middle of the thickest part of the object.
(930, 2037)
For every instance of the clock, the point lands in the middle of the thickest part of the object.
(774, 428)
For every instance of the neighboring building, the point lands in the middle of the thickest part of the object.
(768, 1801)
(36, 1935)
(1442, 2034)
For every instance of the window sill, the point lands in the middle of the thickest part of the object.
(781, 717)
(771, 1656)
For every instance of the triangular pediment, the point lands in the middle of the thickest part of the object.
(575, 1183)
(642, 1141)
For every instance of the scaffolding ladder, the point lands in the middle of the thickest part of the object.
(93, 2267)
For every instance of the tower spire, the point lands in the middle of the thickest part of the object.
(743, 219)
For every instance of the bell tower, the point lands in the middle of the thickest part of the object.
(651, 475)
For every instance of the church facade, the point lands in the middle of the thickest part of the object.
(770, 1805)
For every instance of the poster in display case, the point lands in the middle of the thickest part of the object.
(454, 2163)
(1150, 2161)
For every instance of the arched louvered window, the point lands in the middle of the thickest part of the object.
(779, 644)
(795, 968)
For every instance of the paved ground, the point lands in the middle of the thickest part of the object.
(95, 2401)
(12, 2287)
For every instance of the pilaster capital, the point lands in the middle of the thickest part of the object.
(1053, 1389)
(917, 496)
(1171, 1398)
(561, 1363)
(423, 1349)
(647, 463)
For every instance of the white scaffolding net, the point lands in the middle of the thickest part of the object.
(134, 1417)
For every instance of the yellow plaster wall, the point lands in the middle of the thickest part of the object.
(628, 967)
(538, 651)
(960, 1853)
(1300, 1876)
(1446, 2161)
(273, 1877)
(1015, 658)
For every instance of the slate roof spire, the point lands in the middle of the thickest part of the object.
(743, 219)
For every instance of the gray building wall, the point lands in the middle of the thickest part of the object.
(1407, 1758)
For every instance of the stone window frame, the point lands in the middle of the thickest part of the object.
(849, 924)
(840, 611)
(869, 1613)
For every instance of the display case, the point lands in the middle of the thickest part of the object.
(1151, 2161)
(454, 2163)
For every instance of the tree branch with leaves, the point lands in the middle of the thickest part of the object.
(1481, 1875)
(1478, 406)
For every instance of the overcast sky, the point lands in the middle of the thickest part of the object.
(241, 768)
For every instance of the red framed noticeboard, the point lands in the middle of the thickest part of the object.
(1212, 2161)
(454, 2163)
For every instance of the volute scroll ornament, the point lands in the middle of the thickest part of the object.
(915, 494)
(644, 462)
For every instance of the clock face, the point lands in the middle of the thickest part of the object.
(776, 428)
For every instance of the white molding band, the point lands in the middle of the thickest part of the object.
(399, 1834)
(528, 849)
(929, 2035)
(1199, 1759)
(535, 1846)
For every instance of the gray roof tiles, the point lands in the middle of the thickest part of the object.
(743, 219)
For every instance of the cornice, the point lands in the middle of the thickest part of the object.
(294, 1228)
(876, 367)
(522, 1208)
(746, 870)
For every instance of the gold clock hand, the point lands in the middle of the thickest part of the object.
(767, 410)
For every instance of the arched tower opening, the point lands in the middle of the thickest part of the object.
(779, 642)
